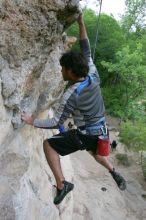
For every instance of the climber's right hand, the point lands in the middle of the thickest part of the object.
(80, 19)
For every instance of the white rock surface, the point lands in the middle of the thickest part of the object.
(30, 80)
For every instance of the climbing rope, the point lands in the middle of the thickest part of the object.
(97, 30)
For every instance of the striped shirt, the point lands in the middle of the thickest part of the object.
(82, 100)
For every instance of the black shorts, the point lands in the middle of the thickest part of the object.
(71, 141)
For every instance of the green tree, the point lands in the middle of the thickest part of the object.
(110, 40)
(134, 18)
(127, 80)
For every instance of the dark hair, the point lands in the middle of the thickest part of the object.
(76, 62)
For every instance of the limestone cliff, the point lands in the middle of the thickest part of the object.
(31, 43)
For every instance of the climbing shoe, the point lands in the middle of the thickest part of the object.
(121, 182)
(61, 193)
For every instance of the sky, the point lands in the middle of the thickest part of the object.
(114, 7)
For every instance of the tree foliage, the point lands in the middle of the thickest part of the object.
(134, 135)
(134, 18)
(128, 78)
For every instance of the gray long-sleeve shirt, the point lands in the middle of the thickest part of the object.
(82, 100)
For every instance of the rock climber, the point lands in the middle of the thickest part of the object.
(83, 100)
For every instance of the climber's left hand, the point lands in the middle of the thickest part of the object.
(27, 118)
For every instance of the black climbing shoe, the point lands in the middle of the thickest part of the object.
(61, 193)
(121, 182)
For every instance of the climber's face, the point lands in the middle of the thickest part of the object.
(67, 74)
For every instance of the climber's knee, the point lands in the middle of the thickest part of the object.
(99, 158)
(45, 145)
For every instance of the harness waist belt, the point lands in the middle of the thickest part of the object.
(97, 128)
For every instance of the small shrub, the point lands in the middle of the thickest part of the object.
(143, 163)
(133, 134)
(123, 159)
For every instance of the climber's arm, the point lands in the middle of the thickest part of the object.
(82, 28)
(85, 46)
(84, 42)
(39, 123)
(64, 110)
(48, 123)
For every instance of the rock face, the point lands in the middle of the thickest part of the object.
(31, 43)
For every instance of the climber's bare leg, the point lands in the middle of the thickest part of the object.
(53, 160)
(102, 160)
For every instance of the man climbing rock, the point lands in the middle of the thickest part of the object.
(82, 100)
